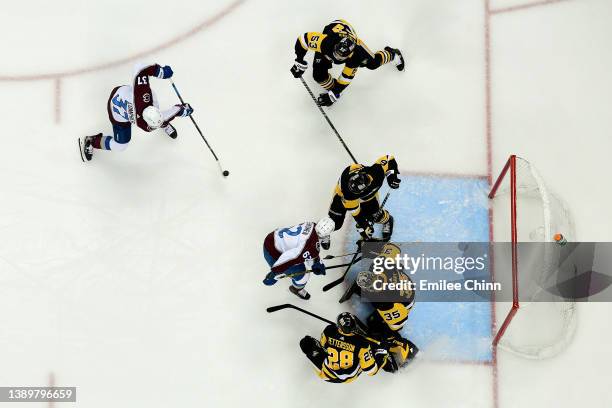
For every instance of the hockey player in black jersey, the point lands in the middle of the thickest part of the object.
(342, 354)
(391, 309)
(357, 192)
(338, 44)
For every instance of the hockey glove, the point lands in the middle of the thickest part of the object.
(327, 99)
(270, 279)
(318, 268)
(298, 69)
(393, 180)
(366, 232)
(186, 110)
(165, 72)
(380, 356)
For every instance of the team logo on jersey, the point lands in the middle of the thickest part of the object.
(146, 98)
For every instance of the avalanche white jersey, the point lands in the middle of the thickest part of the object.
(121, 105)
(294, 245)
(293, 238)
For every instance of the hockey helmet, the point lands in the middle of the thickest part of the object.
(344, 48)
(152, 116)
(325, 227)
(346, 322)
(365, 280)
(358, 181)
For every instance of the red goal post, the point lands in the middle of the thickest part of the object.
(543, 327)
(511, 167)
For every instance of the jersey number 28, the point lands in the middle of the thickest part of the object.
(338, 360)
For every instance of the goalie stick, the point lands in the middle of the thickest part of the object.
(349, 292)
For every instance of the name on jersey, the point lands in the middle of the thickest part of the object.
(130, 110)
(341, 344)
(307, 228)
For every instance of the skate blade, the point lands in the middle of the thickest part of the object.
(81, 150)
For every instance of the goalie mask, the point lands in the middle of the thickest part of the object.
(365, 280)
(344, 48)
(358, 181)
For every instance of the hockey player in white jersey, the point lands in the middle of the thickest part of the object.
(135, 104)
(294, 251)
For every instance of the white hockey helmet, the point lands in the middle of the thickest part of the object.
(152, 116)
(325, 227)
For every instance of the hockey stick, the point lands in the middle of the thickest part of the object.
(225, 173)
(360, 331)
(385, 200)
(328, 120)
(273, 309)
(349, 293)
(338, 256)
(341, 279)
(301, 273)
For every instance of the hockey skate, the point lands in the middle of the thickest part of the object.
(301, 293)
(85, 148)
(398, 58)
(171, 131)
(387, 229)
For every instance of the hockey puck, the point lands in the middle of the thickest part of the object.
(225, 173)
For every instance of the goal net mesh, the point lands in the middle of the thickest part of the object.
(541, 327)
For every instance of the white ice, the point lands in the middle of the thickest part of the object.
(137, 277)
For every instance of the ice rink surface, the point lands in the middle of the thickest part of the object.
(137, 277)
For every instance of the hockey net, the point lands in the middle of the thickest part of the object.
(537, 328)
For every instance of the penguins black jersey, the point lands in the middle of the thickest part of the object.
(348, 355)
(376, 174)
(324, 43)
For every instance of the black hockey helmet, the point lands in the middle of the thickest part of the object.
(358, 181)
(346, 322)
(344, 48)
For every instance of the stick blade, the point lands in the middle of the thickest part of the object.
(81, 150)
(273, 309)
(332, 284)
